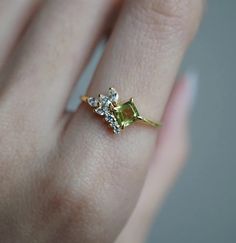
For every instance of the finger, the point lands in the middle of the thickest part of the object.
(14, 15)
(53, 52)
(165, 166)
(141, 60)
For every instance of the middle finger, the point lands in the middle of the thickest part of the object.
(52, 54)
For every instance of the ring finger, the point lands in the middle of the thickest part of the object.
(52, 54)
(141, 60)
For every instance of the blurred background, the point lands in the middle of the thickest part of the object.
(201, 208)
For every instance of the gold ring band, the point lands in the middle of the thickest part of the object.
(116, 114)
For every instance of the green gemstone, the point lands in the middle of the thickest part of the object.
(126, 114)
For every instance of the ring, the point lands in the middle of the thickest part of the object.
(118, 115)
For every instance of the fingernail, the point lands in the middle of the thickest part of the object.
(183, 98)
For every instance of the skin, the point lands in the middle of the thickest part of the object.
(64, 177)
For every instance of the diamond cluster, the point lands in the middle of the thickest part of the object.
(103, 106)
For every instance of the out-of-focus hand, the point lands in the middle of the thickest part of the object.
(65, 177)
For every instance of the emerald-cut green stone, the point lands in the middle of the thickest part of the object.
(126, 114)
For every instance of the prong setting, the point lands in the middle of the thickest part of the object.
(104, 106)
(117, 115)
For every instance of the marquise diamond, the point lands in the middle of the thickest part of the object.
(113, 95)
(103, 107)
(93, 102)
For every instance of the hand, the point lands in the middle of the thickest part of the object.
(65, 177)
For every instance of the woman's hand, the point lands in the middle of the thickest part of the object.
(65, 177)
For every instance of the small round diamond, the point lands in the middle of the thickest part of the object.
(100, 111)
(109, 117)
(114, 124)
(116, 130)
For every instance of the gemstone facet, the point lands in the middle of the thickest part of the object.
(126, 114)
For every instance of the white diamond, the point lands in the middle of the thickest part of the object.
(116, 130)
(114, 124)
(109, 117)
(100, 111)
(93, 102)
(113, 95)
(105, 102)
